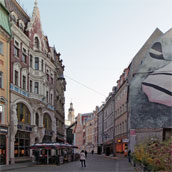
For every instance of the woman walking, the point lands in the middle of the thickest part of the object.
(82, 158)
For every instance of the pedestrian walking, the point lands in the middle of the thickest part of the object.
(85, 153)
(82, 158)
(92, 152)
(129, 156)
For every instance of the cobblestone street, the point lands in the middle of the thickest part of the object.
(93, 162)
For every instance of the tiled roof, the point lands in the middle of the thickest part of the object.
(12, 5)
(4, 18)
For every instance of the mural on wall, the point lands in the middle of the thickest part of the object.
(151, 89)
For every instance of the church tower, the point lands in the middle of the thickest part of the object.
(71, 116)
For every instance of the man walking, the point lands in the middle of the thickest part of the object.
(82, 158)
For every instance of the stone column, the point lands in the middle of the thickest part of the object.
(13, 131)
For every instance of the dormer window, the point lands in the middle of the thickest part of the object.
(21, 26)
(37, 42)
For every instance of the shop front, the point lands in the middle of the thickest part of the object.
(3, 145)
(122, 145)
(108, 148)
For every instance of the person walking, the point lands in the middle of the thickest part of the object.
(85, 153)
(129, 156)
(92, 152)
(82, 158)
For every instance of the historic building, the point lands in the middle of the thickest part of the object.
(71, 116)
(5, 34)
(100, 128)
(150, 98)
(80, 131)
(108, 126)
(37, 84)
(121, 114)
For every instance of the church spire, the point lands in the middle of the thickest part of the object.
(35, 10)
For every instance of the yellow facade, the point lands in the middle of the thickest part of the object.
(5, 70)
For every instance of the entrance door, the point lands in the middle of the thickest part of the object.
(2, 149)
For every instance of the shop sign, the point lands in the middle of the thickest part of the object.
(125, 140)
(3, 130)
(132, 132)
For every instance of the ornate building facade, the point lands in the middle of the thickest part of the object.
(37, 87)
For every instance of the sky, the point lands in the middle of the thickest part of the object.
(97, 40)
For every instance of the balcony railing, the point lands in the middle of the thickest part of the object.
(30, 95)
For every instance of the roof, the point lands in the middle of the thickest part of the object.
(4, 17)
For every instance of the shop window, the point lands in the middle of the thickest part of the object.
(22, 143)
(1, 79)
(1, 48)
(36, 63)
(23, 114)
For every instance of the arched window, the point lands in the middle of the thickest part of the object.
(37, 120)
(23, 113)
(47, 122)
(37, 42)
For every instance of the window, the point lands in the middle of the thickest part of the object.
(1, 48)
(51, 99)
(16, 77)
(24, 55)
(16, 49)
(42, 65)
(1, 79)
(14, 18)
(31, 61)
(47, 96)
(37, 42)
(47, 122)
(24, 82)
(51, 80)
(37, 120)
(36, 63)
(36, 87)
(0, 117)
(21, 26)
(31, 86)
(47, 77)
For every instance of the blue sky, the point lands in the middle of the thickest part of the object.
(97, 39)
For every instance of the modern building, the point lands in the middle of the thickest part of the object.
(37, 105)
(5, 35)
